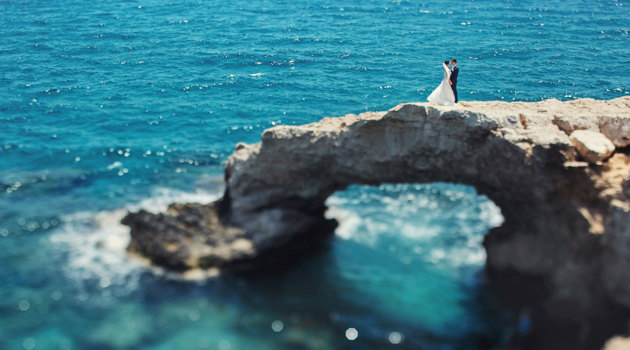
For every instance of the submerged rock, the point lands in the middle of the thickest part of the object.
(566, 221)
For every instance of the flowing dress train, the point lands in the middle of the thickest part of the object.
(443, 94)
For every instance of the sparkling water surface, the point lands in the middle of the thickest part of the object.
(113, 106)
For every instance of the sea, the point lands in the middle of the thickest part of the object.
(118, 105)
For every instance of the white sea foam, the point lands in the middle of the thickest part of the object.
(491, 214)
(420, 221)
(116, 164)
(348, 221)
(96, 242)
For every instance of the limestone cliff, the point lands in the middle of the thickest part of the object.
(566, 199)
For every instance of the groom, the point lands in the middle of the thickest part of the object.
(453, 80)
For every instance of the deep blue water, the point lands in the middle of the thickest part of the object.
(115, 105)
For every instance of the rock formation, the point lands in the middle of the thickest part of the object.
(592, 145)
(566, 205)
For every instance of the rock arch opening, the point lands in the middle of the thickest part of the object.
(440, 224)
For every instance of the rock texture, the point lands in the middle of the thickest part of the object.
(567, 221)
(592, 145)
(188, 235)
(618, 343)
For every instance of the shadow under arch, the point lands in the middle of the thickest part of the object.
(354, 283)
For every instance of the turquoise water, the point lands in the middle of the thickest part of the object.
(110, 106)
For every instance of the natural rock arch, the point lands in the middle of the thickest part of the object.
(566, 220)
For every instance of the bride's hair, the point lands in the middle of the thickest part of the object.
(446, 62)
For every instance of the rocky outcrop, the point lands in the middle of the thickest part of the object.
(192, 235)
(592, 145)
(566, 220)
(187, 235)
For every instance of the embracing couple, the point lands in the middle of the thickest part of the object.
(446, 93)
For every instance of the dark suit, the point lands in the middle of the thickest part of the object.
(454, 74)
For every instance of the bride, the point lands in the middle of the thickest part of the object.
(443, 94)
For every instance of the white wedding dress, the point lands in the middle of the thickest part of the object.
(443, 94)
